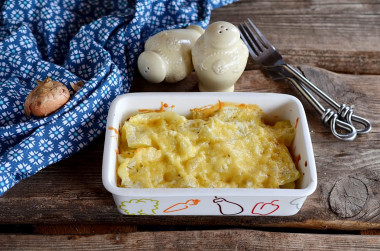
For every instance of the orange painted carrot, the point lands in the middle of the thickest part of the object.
(181, 206)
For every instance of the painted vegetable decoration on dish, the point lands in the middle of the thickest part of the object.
(263, 208)
(47, 97)
(182, 206)
(227, 207)
(167, 55)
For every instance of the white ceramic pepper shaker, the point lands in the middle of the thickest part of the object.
(167, 55)
(219, 57)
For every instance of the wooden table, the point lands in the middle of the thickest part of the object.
(337, 46)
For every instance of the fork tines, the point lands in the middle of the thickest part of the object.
(253, 38)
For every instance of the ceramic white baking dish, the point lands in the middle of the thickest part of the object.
(210, 201)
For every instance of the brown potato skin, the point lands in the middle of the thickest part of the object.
(47, 97)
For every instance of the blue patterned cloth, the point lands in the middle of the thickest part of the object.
(97, 41)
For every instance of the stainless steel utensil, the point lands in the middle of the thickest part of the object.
(263, 52)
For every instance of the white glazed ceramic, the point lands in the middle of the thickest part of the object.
(210, 201)
(167, 55)
(219, 57)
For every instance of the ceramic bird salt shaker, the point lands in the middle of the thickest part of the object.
(219, 57)
(167, 55)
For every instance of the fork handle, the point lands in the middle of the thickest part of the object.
(345, 112)
(329, 117)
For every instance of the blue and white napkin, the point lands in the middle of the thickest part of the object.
(97, 41)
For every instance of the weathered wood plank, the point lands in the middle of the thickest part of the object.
(71, 192)
(341, 36)
(75, 229)
(192, 240)
(370, 232)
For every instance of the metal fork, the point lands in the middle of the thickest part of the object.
(263, 52)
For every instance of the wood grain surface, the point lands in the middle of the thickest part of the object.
(341, 36)
(336, 44)
(192, 240)
(72, 190)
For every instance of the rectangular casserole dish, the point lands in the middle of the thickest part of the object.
(210, 201)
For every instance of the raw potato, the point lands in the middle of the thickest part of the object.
(46, 98)
(77, 86)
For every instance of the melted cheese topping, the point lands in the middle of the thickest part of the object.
(221, 146)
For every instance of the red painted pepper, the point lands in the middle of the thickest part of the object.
(263, 208)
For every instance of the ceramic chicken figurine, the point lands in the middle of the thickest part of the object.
(219, 57)
(167, 55)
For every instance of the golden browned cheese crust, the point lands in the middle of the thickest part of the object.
(221, 146)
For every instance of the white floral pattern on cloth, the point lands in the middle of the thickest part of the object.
(94, 41)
